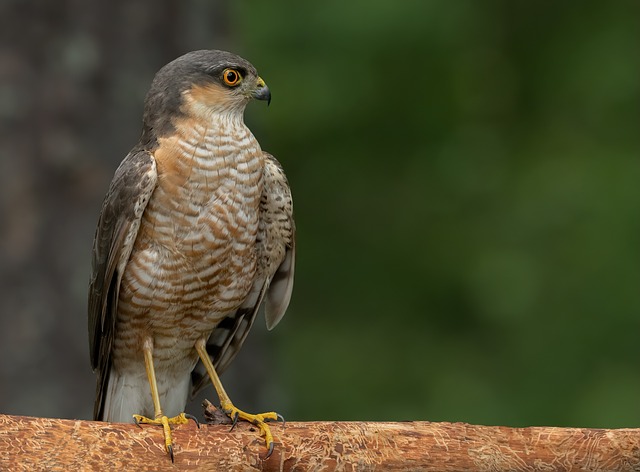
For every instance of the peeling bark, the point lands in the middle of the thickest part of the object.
(41, 443)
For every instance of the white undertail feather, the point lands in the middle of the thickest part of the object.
(129, 394)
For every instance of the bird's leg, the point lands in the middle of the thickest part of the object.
(259, 420)
(159, 418)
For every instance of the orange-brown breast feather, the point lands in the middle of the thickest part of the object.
(274, 277)
(194, 261)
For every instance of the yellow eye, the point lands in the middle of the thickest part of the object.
(231, 77)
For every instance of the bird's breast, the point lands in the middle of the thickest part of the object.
(194, 259)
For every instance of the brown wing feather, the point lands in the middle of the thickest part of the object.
(275, 283)
(130, 191)
(280, 284)
(280, 288)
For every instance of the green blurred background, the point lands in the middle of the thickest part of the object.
(466, 183)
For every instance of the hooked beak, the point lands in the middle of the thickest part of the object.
(262, 92)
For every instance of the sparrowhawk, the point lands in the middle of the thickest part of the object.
(195, 233)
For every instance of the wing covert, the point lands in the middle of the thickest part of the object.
(279, 211)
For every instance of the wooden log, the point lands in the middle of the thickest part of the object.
(53, 444)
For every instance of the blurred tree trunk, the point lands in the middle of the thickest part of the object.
(73, 75)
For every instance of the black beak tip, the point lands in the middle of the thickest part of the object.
(263, 93)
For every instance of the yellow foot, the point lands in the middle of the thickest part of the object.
(182, 418)
(260, 420)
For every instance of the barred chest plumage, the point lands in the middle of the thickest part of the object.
(194, 259)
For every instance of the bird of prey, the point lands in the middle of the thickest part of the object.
(196, 232)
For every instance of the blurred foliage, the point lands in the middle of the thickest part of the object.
(465, 177)
(466, 187)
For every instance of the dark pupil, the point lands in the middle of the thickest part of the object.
(231, 77)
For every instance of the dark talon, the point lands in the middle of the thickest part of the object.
(191, 417)
(270, 451)
(280, 418)
(235, 421)
(170, 448)
(135, 420)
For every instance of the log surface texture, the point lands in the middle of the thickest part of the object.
(53, 444)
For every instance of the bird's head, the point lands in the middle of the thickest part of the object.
(202, 83)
